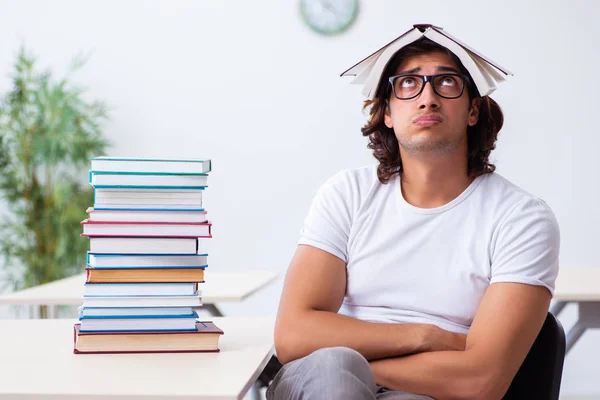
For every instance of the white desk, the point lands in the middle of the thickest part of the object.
(218, 288)
(37, 362)
(579, 285)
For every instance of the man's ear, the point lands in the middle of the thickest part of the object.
(387, 116)
(474, 111)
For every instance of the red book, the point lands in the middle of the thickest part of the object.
(146, 229)
(204, 339)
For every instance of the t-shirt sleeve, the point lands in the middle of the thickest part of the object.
(527, 246)
(327, 225)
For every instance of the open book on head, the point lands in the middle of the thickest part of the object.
(485, 73)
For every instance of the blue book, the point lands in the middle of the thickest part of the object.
(124, 324)
(135, 312)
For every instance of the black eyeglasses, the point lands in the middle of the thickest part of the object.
(409, 86)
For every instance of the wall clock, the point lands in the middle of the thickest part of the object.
(329, 17)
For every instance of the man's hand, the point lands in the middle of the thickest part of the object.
(438, 339)
(497, 344)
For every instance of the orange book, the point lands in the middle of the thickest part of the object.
(144, 275)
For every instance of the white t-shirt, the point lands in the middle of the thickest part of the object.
(413, 265)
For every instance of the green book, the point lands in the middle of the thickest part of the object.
(149, 165)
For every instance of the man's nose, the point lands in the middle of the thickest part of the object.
(428, 98)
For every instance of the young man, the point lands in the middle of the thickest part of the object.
(427, 275)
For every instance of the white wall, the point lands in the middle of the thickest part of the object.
(246, 84)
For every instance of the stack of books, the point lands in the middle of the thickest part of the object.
(145, 266)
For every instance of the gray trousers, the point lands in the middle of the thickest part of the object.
(331, 373)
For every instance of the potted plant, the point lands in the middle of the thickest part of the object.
(48, 132)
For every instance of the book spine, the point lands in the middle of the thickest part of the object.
(147, 173)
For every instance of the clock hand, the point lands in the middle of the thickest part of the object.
(329, 7)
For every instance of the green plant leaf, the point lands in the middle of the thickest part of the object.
(48, 132)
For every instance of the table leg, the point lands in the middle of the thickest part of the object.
(589, 317)
(212, 309)
(255, 391)
(574, 334)
(557, 307)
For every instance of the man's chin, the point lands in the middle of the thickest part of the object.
(423, 144)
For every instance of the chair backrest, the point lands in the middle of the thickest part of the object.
(540, 374)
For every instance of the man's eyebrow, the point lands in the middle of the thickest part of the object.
(441, 68)
(410, 71)
(445, 68)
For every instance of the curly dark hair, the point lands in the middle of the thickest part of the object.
(481, 137)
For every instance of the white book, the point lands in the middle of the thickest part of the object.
(133, 198)
(125, 164)
(130, 180)
(153, 215)
(137, 324)
(135, 312)
(164, 196)
(147, 260)
(150, 229)
(139, 289)
(138, 245)
(143, 193)
(485, 73)
(143, 301)
(148, 205)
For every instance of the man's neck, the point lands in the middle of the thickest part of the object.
(433, 183)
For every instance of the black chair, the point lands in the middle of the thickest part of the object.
(540, 374)
(538, 377)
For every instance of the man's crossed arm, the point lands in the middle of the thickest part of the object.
(417, 358)
(307, 318)
(506, 324)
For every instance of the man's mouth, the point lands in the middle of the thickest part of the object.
(427, 120)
